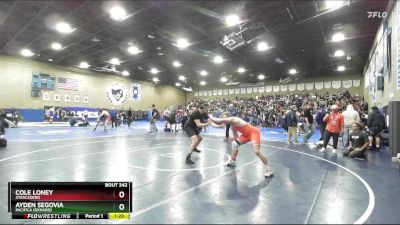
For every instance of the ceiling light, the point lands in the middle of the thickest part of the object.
(330, 4)
(50, 60)
(339, 53)
(182, 43)
(154, 71)
(224, 79)
(133, 50)
(202, 83)
(176, 64)
(178, 84)
(117, 13)
(84, 65)
(187, 89)
(95, 39)
(348, 58)
(261, 77)
(292, 71)
(56, 46)
(115, 61)
(241, 70)
(218, 59)
(203, 73)
(64, 28)
(182, 78)
(232, 20)
(26, 52)
(341, 68)
(150, 36)
(155, 79)
(262, 46)
(125, 73)
(338, 37)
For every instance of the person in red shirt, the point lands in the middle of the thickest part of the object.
(334, 127)
(248, 133)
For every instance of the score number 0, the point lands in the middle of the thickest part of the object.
(121, 194)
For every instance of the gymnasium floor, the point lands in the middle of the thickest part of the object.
(308, 186)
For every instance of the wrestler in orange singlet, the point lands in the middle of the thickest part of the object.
(247, 133)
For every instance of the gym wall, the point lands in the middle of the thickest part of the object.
(391, 78)
(16, 79)
(331, 77)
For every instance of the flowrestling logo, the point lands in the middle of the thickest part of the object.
(376, 14)
(117, 93)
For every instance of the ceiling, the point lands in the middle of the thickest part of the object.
(298, 32)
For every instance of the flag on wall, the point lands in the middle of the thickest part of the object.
(67, 83)
(136, 92)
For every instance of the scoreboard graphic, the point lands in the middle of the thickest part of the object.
(70, 200)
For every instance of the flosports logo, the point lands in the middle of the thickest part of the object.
(117, 94)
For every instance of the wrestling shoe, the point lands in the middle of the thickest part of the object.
(196, 150)
(268, 172)
(322, 149)
(334, 151)
(189, 160)
(231, 163)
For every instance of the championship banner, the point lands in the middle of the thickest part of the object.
(319, 85)
(200, 93)
(292, 87)
(336, 84)
(268, 88)
(356, 83)
(215, 92)
(275, 88)
(300, 86)
(261, 89)
(242, 90)
(327, 85)
(204, 93)
(225, 92)
(209, 93)
(255, 89)
(117, 93)
(249, 90)
(347, 83)
(309, 86)
(231, 91)
(196, 94)
(136, 92)
(284, 87)
(237, 90)
(219, 92)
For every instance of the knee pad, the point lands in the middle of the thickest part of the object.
(236, 144)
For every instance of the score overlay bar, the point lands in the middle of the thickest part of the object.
(69, 200)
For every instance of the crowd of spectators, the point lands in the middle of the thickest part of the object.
(269, 110)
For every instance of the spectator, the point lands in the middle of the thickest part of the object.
(320, 120)
(358, 142)
(376, 124)
(154, 116)
(309, 123)
(129, 117)
(350, 117)
(334, 128)
(291, 121)
(114, 117)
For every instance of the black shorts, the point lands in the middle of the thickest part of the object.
(171, 121)
(191, 131)
(375, 131)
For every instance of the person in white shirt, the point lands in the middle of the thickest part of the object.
(350, 117)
